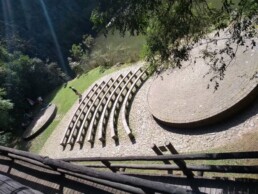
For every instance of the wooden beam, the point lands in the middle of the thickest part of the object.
(158, 152)
(208, 156)
(119, 186)
(108, 165)
(109, 176)
(180, 163)
(203, 168)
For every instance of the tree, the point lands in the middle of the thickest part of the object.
(172, 27)
(5, 107)
(23, 77)
(80, 54)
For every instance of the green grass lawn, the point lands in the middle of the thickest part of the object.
(114, 48)
(64, 99)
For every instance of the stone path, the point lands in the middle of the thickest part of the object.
(147, 132)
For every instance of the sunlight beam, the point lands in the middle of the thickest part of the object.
(8, 22)
(53, 33)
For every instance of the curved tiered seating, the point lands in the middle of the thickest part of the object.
(126, 105)
(83, 102)
(105, 111)
(95, 117)
(72, 122)
(102, 104)
(83, 128)
(80, 118)
(118, 102)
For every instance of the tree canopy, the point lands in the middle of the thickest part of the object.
(5, 107)
(172, 26)
(38, 28)
(22, 77)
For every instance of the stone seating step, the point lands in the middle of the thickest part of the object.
(71, 124)
(117, 103)
(106, 109)
(82, 131)
(95, 117)
(82, 114)
(125, 105)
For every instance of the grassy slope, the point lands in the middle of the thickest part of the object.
(116, 49)
(64, 99)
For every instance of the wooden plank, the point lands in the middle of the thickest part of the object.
(158, 152)
(180, 163)
(8, 185)
(205, 168)
(118, 178)
(108, 165)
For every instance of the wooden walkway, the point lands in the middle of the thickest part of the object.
(49, 181)
(20, 170)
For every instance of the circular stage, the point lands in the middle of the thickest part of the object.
(40, 122)
(188, 97)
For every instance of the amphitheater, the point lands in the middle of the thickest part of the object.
(126, 112)
(156, 123)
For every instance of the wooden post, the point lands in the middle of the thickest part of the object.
(158, 152)
(180, 163)
(108, 165)
(171, 148)
(200, 173)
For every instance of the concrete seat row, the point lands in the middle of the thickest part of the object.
(76, 136)
(127, 101)
(92, 91)
(101, 106)
(96, 116)
(118, 102)
(90, 114)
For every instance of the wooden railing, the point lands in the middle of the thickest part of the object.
(180, 157)
(119, 181)
(130, 183)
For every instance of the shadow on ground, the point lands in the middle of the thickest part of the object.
(245, 114)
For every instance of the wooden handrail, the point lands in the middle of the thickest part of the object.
(118, 178)
(206, 156)
(204, 168)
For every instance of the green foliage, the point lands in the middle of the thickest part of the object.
(76, 52)
(22, 77)
(5, 107)
(64, 99)
(80, 55)
(106, 51)
(25, 20)
(171, 27)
